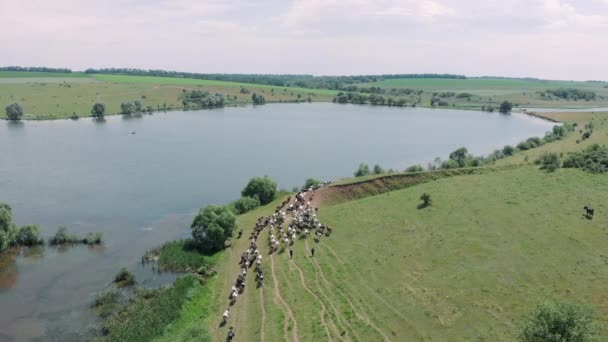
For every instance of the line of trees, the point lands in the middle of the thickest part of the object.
(204, 99)
(569, 94)
(35, 69)
(287, 80)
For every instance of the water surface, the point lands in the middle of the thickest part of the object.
(142, 189)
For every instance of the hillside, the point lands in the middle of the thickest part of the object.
(494, 243)
(58, 95)
(55, 95)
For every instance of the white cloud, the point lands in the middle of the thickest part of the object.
(541, 38)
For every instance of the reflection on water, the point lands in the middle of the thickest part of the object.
(8, 269)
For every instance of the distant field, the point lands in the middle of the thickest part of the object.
(524, 93)
(196, 82)
(59, 97)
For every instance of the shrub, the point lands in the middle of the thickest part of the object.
(558, 322)
(212, 227)
(29, 236)
(98, 110)
(245, 204)
(182, 256)
(460, 156)
(593, 159)
(505, 107)
(262, 187)
(106, 303)
(378, 170)
(414, 168)
(549, 162)
(311, 182)
(93, 239)
(124, 278)
(450, 164)
(363, 170)
(14, 111)
(426, 201)
(60, 237)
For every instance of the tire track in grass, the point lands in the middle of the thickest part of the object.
(338, 314)
(323, 309)
(277, 294)
(360, 314)
(261, 292)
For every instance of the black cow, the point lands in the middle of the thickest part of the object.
(588, 212)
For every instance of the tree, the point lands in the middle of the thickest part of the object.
(262, 187)
(29, 236)
(505, 107)
(258, 99)
(311, 182)
(212, 227)
(508, 150)
(460, 156)
(99, 110)
(560, 322)
(426, 200)
(8, 230)
(14, 111)
(378, 170)
(128, 108)
(363, 170)
(138, 106)
(245, 204)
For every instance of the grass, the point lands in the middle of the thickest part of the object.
(124, 278)
(495, 90)
(487, 250)
(60, 98)
(182, 256)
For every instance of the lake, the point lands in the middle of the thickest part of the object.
(142, 189)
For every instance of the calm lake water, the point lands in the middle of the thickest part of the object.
(142, 189)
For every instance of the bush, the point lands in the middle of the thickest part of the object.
(593, 159)
(182, 256)
(311, 182)
(93, 239)
(378, 170)
(212, 227)
(505, 107)
(106, 303)
(29, 236)
(99, 110)
(450, 164)
(426, 201)
(124, 278)
(549, 162)
(245, 204)
(262, 187)
(558, 322)
(14, 111)
(363, 170)
(414, 168)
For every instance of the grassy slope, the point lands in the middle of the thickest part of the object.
(49, 98)
(491, 247)
(494, 91)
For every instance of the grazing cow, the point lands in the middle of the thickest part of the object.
(225, 316)
(588, 212)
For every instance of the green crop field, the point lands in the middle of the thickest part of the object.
(470, 267)
(523, 93)
(57, 97)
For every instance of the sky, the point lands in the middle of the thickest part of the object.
(549, 39)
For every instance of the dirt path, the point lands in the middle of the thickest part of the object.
(323, 309)
(277, 295)
(261, 292)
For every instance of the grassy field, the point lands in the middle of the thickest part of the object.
(495, 90)
(492, 246)
(54, 97)
(61, 95)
